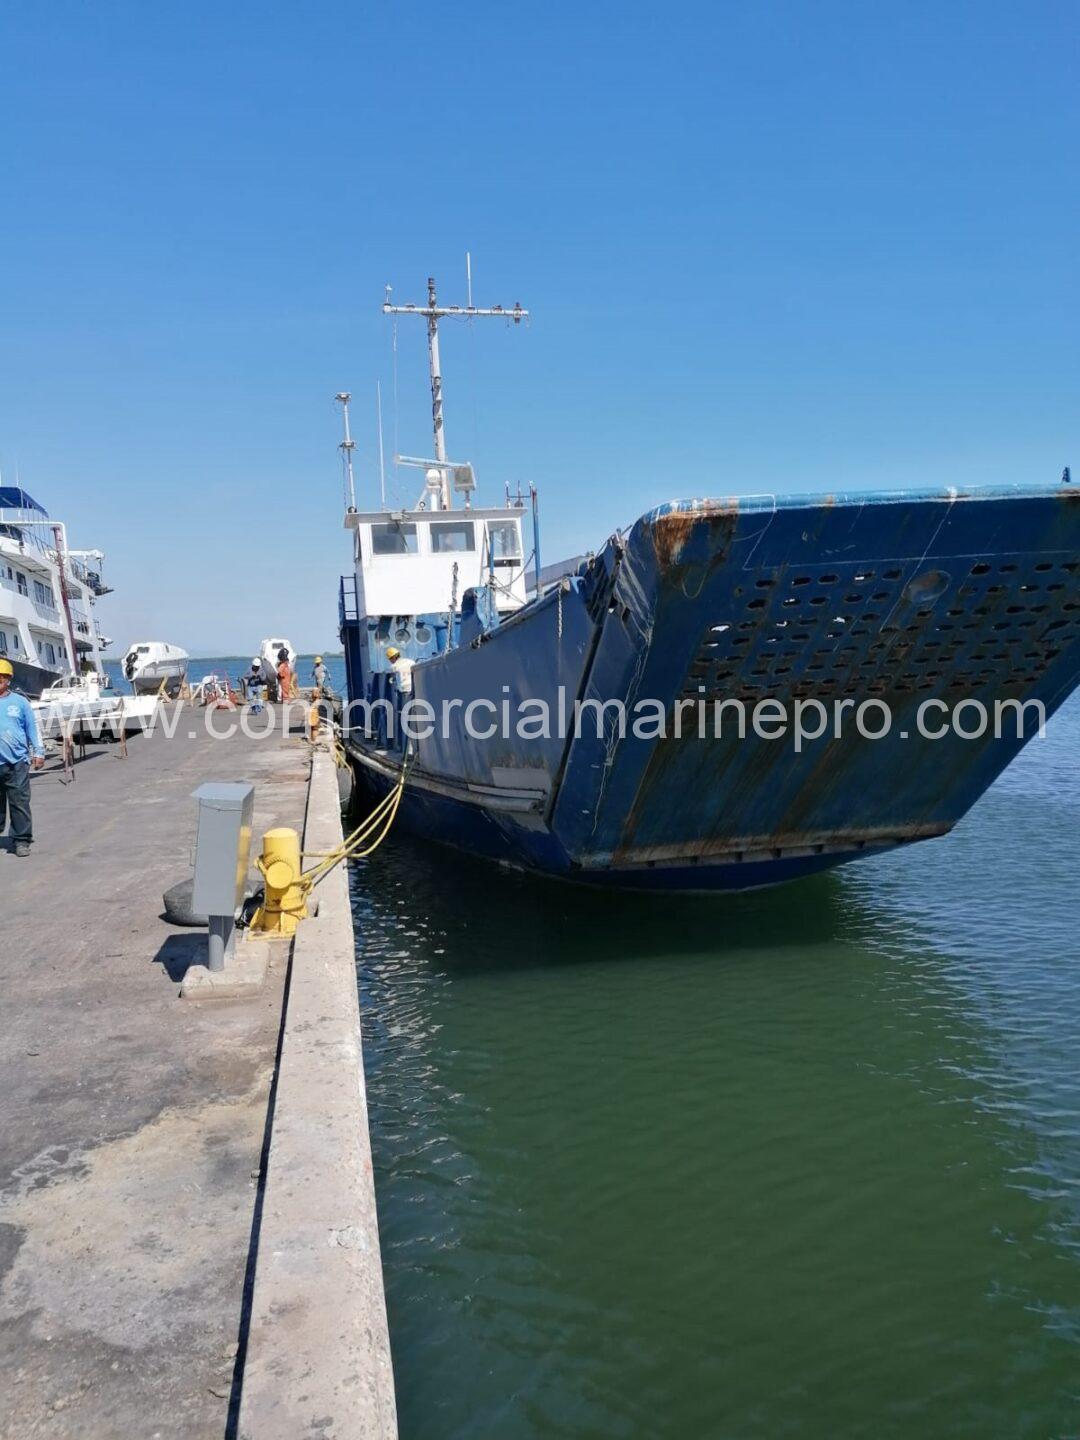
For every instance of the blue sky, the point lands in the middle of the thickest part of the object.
(766, 247)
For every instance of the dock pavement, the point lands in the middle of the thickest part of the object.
(139, 1159)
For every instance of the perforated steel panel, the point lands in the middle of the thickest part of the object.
(897, 628)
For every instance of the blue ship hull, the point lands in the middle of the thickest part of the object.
(898, 598)
(473, 831)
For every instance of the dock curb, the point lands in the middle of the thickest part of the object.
(318, 1348)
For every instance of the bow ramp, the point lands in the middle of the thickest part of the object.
(901, 599)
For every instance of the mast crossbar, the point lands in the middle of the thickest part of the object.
(433, 312)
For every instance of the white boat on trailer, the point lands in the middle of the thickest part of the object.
(151, 664)
(269, 651)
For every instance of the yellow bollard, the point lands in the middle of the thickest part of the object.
(279, 864)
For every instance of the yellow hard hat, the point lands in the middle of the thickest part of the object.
(392, 653)
(318, 659)
(5, 668)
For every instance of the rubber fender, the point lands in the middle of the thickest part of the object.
(177, 902)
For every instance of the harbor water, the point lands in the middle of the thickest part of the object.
(802, 1162)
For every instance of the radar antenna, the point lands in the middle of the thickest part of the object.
(434, 312)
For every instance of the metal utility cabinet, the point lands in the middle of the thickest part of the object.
(222, 849)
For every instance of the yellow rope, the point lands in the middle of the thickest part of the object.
(354, 847)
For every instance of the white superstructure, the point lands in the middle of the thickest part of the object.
(412, 562)
(47, 596)
(422, 561)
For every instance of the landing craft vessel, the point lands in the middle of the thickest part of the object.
(902, 597)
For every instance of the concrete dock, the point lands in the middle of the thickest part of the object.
(148, 1251)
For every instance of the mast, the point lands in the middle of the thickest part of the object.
(347, 446)
(434, 312)
(60, 539)
(382, 462)
(436, 389)
(536, 534)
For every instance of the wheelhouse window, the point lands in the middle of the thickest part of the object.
(452, 537)
(505, 543)
(42, 593)
(20, 581)
(3, 642)
(394, 539)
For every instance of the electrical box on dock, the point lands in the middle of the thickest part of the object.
(222, 846)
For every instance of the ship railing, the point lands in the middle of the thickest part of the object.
(27, 537)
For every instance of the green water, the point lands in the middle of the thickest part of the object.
(804, 1162)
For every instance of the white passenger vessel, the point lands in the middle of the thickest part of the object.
(47, 596)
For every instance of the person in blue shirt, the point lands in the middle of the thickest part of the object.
(20, 750)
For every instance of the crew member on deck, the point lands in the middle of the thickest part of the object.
(403, 668)
(284, 676)
(20, 752)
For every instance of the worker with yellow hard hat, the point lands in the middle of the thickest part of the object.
(319, 676)
(20, 752)
(402, 667)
